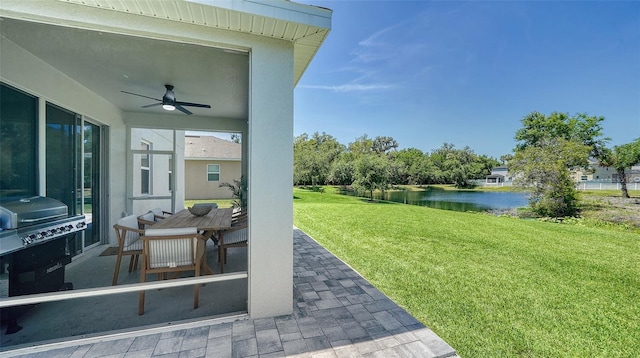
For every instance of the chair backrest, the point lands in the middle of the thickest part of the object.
(123, 227)
(172, 247)
(239, 217)
(146, 219)
(159, 212)
(238, 235)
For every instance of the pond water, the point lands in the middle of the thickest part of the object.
(458, 200)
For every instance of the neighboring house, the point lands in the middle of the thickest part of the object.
(599, 173)
(631, 175)
(498, 175)
(208, 162)
(594, 172)
(67, 74)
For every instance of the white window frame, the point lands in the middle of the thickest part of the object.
(171, 173)
(213, 172)
(147, 168)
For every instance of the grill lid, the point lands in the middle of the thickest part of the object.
(31, 211)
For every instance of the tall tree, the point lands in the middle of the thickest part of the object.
(543, 170)
(460, 166)
(409, 162)
(381, 145)
(548, 148)
(537, 129)
(504, 159)
(341, 171)
(361, 146)
(313, 157)
(371, 173)
(620, 158)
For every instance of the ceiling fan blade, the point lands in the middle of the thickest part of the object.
(182, 109)
(139, 95)
(200, 105)
(152, 105)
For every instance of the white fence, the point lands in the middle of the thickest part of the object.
(589, 185)
(583, 185)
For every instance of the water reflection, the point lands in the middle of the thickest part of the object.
(457, 200)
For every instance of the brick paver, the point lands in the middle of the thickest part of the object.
(336, 313)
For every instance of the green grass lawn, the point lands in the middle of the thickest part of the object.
(490, 286)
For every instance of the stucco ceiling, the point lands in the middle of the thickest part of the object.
(107, 63)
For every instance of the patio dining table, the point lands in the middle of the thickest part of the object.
(216, 220)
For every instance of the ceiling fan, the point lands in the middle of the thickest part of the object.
(169, 101)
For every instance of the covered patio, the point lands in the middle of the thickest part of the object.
(94, 76)
(336, 313)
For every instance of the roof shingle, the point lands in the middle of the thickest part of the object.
(210, 147)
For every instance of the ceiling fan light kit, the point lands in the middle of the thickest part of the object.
(169, 101)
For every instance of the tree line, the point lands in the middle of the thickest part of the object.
(548, 149)
(367, 164)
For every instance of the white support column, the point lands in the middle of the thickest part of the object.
(270, 179)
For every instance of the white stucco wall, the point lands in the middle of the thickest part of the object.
(271, 179)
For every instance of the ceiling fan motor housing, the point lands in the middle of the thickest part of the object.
(169, 97)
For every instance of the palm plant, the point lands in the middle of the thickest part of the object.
(239, 191)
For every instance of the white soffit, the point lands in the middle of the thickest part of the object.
(304, 25)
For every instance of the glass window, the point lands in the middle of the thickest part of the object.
(145, 168)
(213, 172)
(18, 147)
(170, 174)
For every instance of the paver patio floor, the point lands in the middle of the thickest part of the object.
(336, 313)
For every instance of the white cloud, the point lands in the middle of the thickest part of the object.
(349, 87)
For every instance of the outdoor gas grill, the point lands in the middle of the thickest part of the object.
(33, 242)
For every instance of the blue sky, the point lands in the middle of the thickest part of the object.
(430, 72)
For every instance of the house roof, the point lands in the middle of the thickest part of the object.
(211, 148)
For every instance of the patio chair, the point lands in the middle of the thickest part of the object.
(174, 251)
(237, 236)
(239, 216)
(237, 211)
(146, 220)
(128, 234)
(160, 214)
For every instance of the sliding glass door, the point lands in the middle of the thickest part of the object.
(73, 167)
(63, 135)
(91, 182)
